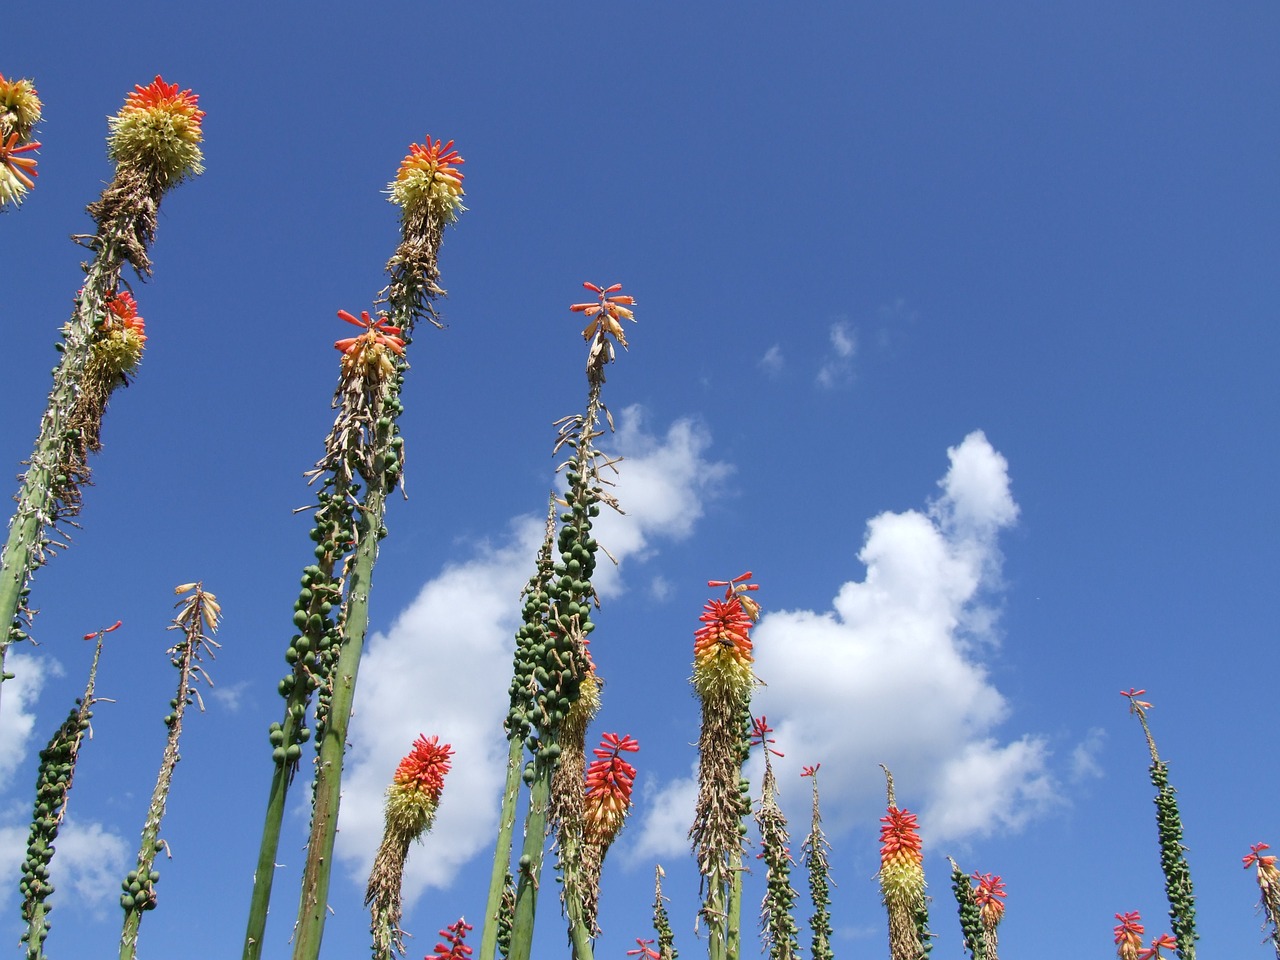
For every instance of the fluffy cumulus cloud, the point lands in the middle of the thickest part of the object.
(89, 863)
(17, 719)
(892, 672)
(444, 666)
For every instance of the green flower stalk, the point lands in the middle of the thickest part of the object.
(365, 443)
(532, 631)
(53, 786)
(661, 921)
(1269, 883)
(412, 800)
(816, 851)
(197, 617)
(781, 934)
(19, 113)
(971, 930)
(902, 883)
(1173, 860)
(155, 142)
(723, 680)
(559, 664)
(362, 464)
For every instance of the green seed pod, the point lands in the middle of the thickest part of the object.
(277, 755)
(293, 753)
(300, 619)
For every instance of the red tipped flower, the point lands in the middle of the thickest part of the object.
(609, 781)
(610, 308)
(1164, 941)
(423, 768)
(1135, 705)
(810, 771)
(428, 179)
(990, 898)
(644, 951)
(123, 309)
(739, 587)
(367, 353)
(453, 948)
(158, 95)
(158, 130)
(1128, 933)
(760, 731)
(17, 173)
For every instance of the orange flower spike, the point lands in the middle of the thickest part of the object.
(429, 180)
(990, 896)
(1128, 935)
(608, 786)
(158, 131)
(158, 95)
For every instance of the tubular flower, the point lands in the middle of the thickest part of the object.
(608, 788)
(902, 881)
(1164, 941)
(121, 336)
(644, 951)
(1128, 934)
(158, 130)
(722, 655)
(1269, 884)
(429, 180)
(16, 172)
(453, 948)
(19, 108)
(740, 587)
(415, 788)
(605, 314)
(367, 353)
(989, 897)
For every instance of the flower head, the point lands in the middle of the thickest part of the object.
(368, 352)
(17, 173)
(428, 180)
(1255, 856)
(605, 315)
(810, 771)
(1128, 934)
(990, 896)
(1164, 941)
(415, 787)
(760, 731)
(643, 950)
(740, 587)
(158, 131)
(722, 655)
(609, 781)
(453, 948)
(1135, 705)
(19, 107)
(121, 337)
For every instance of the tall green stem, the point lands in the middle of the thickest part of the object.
(535, 841)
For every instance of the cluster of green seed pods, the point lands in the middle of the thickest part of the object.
(21, 618)
(975, 943)
(53, 782)
(139, 888)
(1173, 861)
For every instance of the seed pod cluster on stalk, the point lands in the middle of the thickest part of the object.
(198, 616)
(971, 928)
(1269, 884)
(53, 787)
(558, 670)
(723, 680)
(816, 852)
(412, 800)
(365, 447)
(1173, 859)
(661, 920)
(20, 111)
(777, 923)
(155, 141)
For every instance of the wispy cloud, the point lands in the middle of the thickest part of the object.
(772, 362)
(90, 861)
(444, 666)
(17, 717)
(837, 365)
(891, 674)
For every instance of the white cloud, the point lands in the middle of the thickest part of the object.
(444, 666)
(889, 674)
(1084, 758)
(88, 859)
(17, 719)
(230, 696)
(668, 814)
(772, 362)
(837, 367)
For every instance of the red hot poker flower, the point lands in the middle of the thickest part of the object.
(727, 624)
(1135, 705)
(1255, 856)
(124, 309)
(606, 313)
(158, 95)
(1128, 934)
(760, 731)
(453, 948)
(1152, 952)
(377, 331)
(23, 168)
(644, 951)
(990, 896)
(423, 768)
(434, 158)
(740, 587)
(810, 771)
(608, 786)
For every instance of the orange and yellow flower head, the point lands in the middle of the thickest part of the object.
(901, 856)
(429, 181)
(158, 131)
(122, 336)
(1128, 935)
(415, 788)
(17, 172)
(722, 656)
(369, 355)
(608, 789)
(19, 108)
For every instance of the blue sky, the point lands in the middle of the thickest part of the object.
(956, 327)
